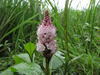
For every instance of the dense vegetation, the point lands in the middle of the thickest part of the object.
(19, 20)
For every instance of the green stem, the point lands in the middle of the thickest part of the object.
(47, 67)
(31, 59)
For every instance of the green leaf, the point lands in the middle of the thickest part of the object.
(30, 47)
(1, 45)
(17, 59)
(23, 57)
(13, 69)
(56, 61)
(24, 68)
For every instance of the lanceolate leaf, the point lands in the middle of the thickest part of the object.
(13, 69)
(30, 47)
(23, 57)
(17, 59)
(24, 68)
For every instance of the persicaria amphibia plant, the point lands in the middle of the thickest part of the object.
(46, 34)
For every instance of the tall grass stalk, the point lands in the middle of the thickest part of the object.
(20, 30)
(65, 26)
(18, 26)
(93, 8)
(56, 18)
(66, 35)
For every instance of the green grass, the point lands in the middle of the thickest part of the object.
(78, 35)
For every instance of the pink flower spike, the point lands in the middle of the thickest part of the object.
(46, 33)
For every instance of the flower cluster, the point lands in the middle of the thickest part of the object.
(46, 34)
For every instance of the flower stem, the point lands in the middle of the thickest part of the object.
(47, 67)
